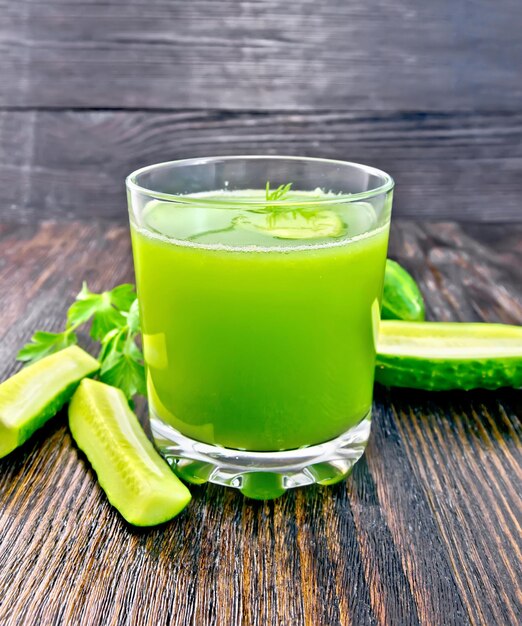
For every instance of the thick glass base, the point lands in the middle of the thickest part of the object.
(261, 475)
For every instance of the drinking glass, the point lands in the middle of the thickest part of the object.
(260, 308)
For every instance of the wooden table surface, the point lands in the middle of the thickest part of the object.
(425, 531)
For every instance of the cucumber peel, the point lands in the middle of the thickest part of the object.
(136, 480)
(401, 298)
(438, 356)
(36, 393)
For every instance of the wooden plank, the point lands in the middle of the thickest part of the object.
(466, 448)
(426, 530)
(265, 54)
(471, 475)
(71, 165)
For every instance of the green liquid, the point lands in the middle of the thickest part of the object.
(265, 342)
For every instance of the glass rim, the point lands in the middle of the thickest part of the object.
(386, 186)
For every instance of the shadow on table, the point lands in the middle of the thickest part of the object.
(492, 415)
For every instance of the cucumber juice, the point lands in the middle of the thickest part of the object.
(259, 325)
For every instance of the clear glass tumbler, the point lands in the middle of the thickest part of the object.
(260, 280)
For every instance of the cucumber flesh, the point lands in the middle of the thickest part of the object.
(401, 298)
(298, 224)
(136, 480)
(36, 393)
(439, 356)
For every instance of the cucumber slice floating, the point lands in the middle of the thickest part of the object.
(401, 298)
(35, 394)
(298, 224)
(439, 356)
(182, 222)
(135, 478)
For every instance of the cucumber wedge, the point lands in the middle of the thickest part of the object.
(438, 356)
(297, 224)
(137, 481)
(401, 298)
(35, 394)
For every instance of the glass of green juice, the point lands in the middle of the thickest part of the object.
(260, 280)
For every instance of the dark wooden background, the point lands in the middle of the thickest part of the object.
(427, 530)
(92, 89)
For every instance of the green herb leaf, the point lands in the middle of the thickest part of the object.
(115, 324)
(123, 296)
(125, 372)
(44, 343)
(104, 320)
(120, 357)
(135, 352)
(83, 308)
(111, 343)
(133, 317)
(106, 309)
(277, 194)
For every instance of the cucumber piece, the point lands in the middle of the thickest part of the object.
(298, 224)
(137, 481)
(438, 356)
(401, 298)
(36, 393)
(182, 222)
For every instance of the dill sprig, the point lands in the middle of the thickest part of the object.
(277, 194)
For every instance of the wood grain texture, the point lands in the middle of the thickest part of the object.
(262, 54)
(70, 165)
(426, 530)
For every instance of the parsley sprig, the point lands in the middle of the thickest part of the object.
(114, 323)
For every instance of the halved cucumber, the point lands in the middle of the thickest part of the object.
(437, 356)
(137, 481)
(35, 394)
(401, 298)
(298, 224)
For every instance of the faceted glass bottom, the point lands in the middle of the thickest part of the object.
(261, 475)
